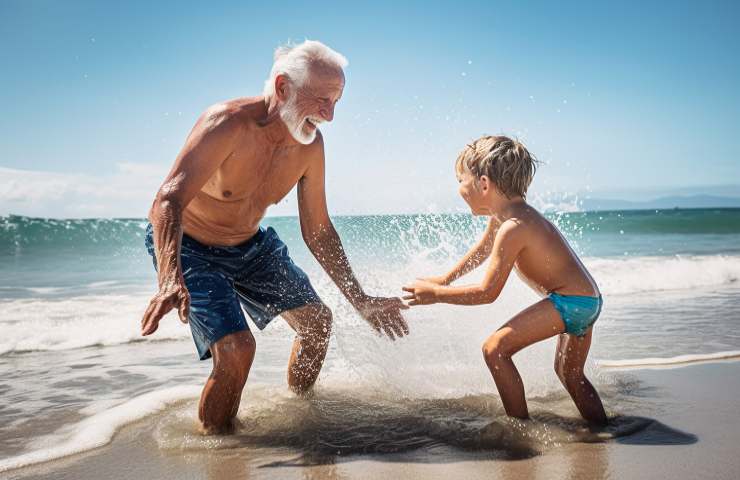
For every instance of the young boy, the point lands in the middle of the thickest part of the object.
(494, 174)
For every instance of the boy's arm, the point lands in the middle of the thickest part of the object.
(474, 258)
(507, 245)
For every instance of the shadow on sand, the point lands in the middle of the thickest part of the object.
(505, 439)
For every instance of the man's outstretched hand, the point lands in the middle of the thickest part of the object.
(171, 295)
(384, 315)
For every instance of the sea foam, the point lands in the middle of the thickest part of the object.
(97, 430)
(61, 323)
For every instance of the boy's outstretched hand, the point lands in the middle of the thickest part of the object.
(421, 292)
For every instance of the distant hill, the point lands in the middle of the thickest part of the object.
(677, 201)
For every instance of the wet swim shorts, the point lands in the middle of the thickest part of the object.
(257, 275)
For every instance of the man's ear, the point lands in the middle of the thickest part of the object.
(282, 86)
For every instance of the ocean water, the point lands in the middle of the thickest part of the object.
(74, 370)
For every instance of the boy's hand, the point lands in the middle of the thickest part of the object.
(421, 292)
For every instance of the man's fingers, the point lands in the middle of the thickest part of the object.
(404, 325)
(407, 289)
(182, 312)
(149, 328)
(409, 297)
(373, 321)
(160, 309)
(398, 323)
(397, 329)
(147, 313)
(398, 303)
(380, 323)
(388, 331)
(391, 304)
(184, 308)
(149, 325)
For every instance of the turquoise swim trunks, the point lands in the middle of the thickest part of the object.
(578, 312)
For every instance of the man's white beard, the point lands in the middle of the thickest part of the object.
(289, 115)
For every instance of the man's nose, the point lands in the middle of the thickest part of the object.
(327, 112)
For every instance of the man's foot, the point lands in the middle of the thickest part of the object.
(229, 428)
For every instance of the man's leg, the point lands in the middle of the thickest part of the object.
(219, 402)
(312, 324)
(569, 361)
(536, 323)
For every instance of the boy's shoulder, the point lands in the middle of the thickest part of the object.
(512, 229)
(524, 224)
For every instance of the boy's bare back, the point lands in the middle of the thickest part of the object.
(546, 262)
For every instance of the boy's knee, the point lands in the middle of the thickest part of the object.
(570, 377)
(558, 367)
(495, 349)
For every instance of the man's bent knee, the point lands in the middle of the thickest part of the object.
(233, 354)
(324, 324)
(315, 325)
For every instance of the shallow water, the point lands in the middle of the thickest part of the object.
(73, 369)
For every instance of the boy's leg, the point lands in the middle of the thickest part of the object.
(569, 361)
(536, 323)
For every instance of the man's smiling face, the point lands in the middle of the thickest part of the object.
(312, 102)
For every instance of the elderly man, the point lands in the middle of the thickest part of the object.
(212, 256)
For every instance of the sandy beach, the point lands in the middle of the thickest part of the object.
(685, 420)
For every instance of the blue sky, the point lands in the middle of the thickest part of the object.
(98, 97)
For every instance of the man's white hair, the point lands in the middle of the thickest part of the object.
(294, 61)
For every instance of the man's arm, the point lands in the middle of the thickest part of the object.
(507, 245)
(322, 239)
(208, 145)
(474, 258)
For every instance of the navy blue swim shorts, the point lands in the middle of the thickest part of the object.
(257, 275)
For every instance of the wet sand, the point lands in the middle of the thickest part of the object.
(691, 429)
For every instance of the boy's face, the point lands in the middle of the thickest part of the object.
(470, 190)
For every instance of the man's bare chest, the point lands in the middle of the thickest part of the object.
(260, 176)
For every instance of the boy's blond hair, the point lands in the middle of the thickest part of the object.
(506, 162)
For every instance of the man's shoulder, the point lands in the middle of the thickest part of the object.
(317, 146)
(234, 113)
(314, 151)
